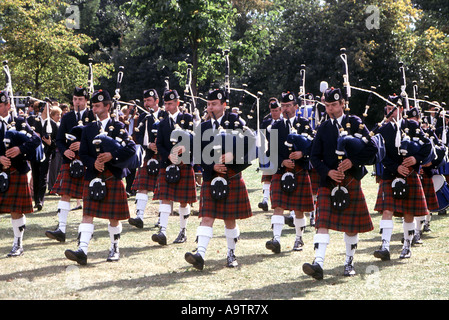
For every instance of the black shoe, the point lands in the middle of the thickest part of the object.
(442, 212)
(406, 253)
(16, 251)
(426, 227)
(114, 254)
(159, 238)
(231, 261)
(263, 205)
(382, 254)
(314, 270)
(38, 207)
(195, 259)
(182, 237)
(290, 221)
(416, 239)
(349, 270)
(57, 235)
(79, 256)
(298, 244)
(273, 245)
(137, 222)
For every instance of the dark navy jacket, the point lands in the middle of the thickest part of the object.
(68, 121)
(37, 126)
(88, 154)
(324, 158)
(27, 149)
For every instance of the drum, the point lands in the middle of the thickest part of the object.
(442, 190)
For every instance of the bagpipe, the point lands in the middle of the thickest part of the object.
(76, 166)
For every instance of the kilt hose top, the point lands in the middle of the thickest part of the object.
(354, 219)
(415, 204)
(17, 199)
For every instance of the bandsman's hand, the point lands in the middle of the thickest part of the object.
(344, 165)
(69, 154)
(403, 170)
(6, 162)
(289, 164)
(296, 155)
(75, 146)
(220, 168)
(336, 175)
(409, 161)
(99, 165)
(104, 157)
(13, 152)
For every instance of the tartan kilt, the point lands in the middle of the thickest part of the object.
(415, 204)
(113, 206)
(17, 199)
(67, 185)
(144, 181)
(235, 206)
(183, 192)
(429, 192)
(314, 180)
(354, 219)
(301, 200)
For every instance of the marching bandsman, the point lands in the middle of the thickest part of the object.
(39, 169)
(15, 193)
(146, 136)
(291, 161)
(351, 216)
(218, 172)
(400, 190)
(68, 185)
(267, 122)
(428, 170)
(176, 179)
(103, 176)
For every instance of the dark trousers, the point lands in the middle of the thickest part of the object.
(130, 179)
(39, 172)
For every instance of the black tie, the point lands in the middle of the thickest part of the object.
(289, 125)
(216, 124)
(78, 116)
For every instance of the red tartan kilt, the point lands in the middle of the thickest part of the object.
(300, 200)
(113, 206)
(67, 185)
(429, 192)
(235, 206)
(17, 199)
(183, 192)
(266, 178)
(144, 181)
(354, 219)
(314, 180)
(415, 204)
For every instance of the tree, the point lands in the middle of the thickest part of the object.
(42, 52)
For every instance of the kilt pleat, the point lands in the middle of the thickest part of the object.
(300, 200)
(113, 206)
(429, 192)
(354, 219)
(415, 204)
(314, 180)
(235, 206)
(17, 198)
(183, 192)
(67, 185)
(143, 180)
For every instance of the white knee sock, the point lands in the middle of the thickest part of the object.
(320, 242)
(165, 210)
(63, 213)
(203, 234)
(300, 225)
(18, 227)
(419, 223)
(114, 233)
(184, 213)
(351, 245)
(85, 231)
(409, 232)
(232, 236)
(386, 227)
(141, 203)
(266, 191)
(277, 222)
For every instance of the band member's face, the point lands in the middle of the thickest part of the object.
(215, 108)
(275, 113)
(171, 106)
(388, 108)
(334, 109)
(288, 109)
(79, 103)
(150, 102)
(101, 110)
(4, 109)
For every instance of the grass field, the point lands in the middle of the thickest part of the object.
(148, 271)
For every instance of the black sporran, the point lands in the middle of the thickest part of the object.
(173, 174)
(76, 169)
(339, 198)
(219, 188)
(97, 189)
(288, 182)
(4, 182)
(400, 189)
